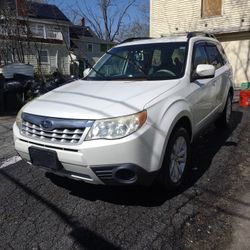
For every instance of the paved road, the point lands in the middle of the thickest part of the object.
(41, 211)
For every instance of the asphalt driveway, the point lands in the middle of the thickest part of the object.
(42, 211)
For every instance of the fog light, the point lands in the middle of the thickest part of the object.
(125, 175)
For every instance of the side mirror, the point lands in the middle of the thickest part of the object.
(204, 71)
(86, 72)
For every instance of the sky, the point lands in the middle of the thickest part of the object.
(64, 5)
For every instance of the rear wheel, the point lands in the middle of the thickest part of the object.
(176, 159)
(225, 118)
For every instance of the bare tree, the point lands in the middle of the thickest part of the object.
(139, 26)
(107, 19)
(16, 37)
(13, 37)
(134, 29)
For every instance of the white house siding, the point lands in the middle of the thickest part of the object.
(63, 61)
(169, 17)
(238, 53)
(58, 59)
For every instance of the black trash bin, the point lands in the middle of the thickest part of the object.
(13, 96)
(11, 92)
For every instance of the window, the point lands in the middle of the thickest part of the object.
(43, 56)
(110, 46)
(214, 57)
(199, 56)
(103, 47)
(115, 64)
(211, 8)
(145, 61)
(90, 47)
(40, 30)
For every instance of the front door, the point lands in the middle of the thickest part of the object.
(203, 90)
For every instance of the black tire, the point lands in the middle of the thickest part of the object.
(166, 181)
(224, 120)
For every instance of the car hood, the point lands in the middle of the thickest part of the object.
(98, 99)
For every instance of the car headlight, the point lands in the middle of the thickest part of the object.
(19, 118)
(116, 128)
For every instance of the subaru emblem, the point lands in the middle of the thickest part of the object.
(47, 124)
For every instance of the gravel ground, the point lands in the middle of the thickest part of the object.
(212, 211)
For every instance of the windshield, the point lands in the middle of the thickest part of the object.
(160, 61)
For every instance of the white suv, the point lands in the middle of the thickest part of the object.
(132, 118)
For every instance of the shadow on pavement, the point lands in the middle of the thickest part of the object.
(203, 152)
(83, 236)
(208, 144)
(122, 195)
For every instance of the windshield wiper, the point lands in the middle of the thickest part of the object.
(96, 71)
(138, 67)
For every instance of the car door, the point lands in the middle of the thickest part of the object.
(203, 90)
(220, 78)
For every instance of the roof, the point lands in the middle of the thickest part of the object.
(45, 11)
(169, 39)
(156, 40)
(77, 30)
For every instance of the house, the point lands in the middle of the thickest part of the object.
(228, 20)
(86, 46)
(43, 39)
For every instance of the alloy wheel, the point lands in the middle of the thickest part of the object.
(178, 159)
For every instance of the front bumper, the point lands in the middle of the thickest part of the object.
(125, 161)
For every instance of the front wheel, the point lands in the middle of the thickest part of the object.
(176, 159)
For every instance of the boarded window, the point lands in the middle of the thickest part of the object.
(211, 8)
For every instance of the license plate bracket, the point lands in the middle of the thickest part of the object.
(44, 158)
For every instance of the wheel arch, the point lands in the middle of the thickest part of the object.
(185, 122)
(178, 114)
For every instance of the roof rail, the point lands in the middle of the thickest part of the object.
(131, 39)
(199, 33)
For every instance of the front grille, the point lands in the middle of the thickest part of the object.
(62, 131)
(55, 135)
(49, 146)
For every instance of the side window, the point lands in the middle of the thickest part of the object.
(214, 56)
(199, 56)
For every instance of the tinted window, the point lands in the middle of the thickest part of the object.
(214, 56)
(199, 56)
